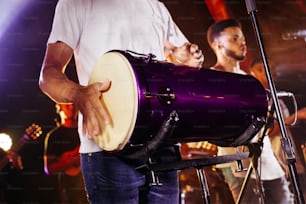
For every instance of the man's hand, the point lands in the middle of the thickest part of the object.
(54, 82)
(188, 54)
(89, 104)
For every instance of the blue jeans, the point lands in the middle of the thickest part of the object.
(109, 179)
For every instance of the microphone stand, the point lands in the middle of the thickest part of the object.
(285, 141)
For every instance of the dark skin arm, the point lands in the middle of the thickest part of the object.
(54, 83)
(301, 116)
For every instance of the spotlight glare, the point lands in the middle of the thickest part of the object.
(9, 11)
(5, 141)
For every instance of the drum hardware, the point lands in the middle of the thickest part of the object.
(287, 146)
(204, 185)
(256, 148)
(154, 178)
(198, 164)
(165, 95)
(240, 164)
(195, 163)
(150, 57)
(191, 190)
(254, 153)
(240, 167)
(147, 58)
(165, 130)
(253, 128)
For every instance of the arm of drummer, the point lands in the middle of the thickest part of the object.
(55, 84)
(188, 54)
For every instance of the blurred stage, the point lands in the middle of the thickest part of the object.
(24, 30)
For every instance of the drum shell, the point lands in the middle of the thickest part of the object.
(212, 105)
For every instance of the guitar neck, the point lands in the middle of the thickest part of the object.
(21, 142)
(31, 133)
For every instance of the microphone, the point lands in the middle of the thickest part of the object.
(280, 94)
(294, 35)
(284, 94)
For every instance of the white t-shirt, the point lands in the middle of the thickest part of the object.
(93, 27)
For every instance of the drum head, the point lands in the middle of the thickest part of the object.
(121, 100)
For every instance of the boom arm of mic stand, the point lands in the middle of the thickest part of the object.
(286, 143)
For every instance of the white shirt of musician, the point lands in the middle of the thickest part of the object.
(93, 27)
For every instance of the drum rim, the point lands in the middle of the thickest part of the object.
(100, 72)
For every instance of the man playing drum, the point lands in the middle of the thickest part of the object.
(87, 30)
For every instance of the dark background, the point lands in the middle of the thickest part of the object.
(23, 42)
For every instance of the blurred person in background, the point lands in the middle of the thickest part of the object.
(62, 158)
(227, 40)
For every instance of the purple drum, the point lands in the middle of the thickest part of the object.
(223, 108)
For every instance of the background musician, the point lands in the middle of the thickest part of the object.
(14, 165)
(61, 155)
(10, 177)
(257, 69)
(227, 40)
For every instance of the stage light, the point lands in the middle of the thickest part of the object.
(5, 141)
(9, 11)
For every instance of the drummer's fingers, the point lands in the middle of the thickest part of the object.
(198, 54)
(201, 58)
(195, 51)
(89, 129)
(96, 113)
(84, 127)
(197, 61)
(101, 111)
(103, 86)
(91, 124)
(194, 48)
(92, 108)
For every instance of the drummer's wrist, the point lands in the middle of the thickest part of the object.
(72, 92)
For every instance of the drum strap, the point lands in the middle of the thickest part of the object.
(253, 128)
(166, 130)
